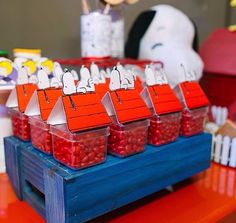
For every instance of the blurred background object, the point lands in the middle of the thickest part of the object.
(53, 26)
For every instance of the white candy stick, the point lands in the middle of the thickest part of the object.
(218, 142)
(106, 9)
(232, 161)
(85, 7)
(225, 151)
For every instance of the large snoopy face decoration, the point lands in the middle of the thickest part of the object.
(166, 34)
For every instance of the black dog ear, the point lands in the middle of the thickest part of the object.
(137, 32)
(196, 38)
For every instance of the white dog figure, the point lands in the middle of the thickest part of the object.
(43, 80)
(68, 83)
(169, 37)
(22, 77)
(86, 83)
(114, 80)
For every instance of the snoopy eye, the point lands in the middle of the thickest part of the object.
(156, 45)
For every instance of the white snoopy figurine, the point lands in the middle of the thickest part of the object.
(86, 83)
(68, 83)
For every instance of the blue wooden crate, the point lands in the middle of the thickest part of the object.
(62, 195)
(12, 147)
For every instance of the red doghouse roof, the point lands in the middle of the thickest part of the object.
(24, 93)
(129, 105)
(84, 111)
(101, 89)
(164, 100)
(219, 52)
(193, 95)
(47, 99)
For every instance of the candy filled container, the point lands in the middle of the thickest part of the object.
(79, 150)
(40, 136)
(20, 124)
(166, 111)
(128, 139)
(192, 121)
(195, 106)
(164, 129)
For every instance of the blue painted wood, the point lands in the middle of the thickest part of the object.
(12, 147)
(77, 196)
(54, 196)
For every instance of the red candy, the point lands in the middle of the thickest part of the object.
(163, 129)
(40, 136)
(80, 150)
(128, 139)
(20, 125)
(192, 121)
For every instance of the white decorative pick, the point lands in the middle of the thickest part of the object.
(90, 86)
(95, 72)
(121, 70)
(54, 82)
(57, 71)
(86, 83)
(131, 78)
(149, 75)
(192, 75)
(115, 83)
(22, 76)
(108, 72)
(164, 77)
(43, 80)
(68, 83)
(102, 77)
(75, 75)
(33, 79)
(158, 78)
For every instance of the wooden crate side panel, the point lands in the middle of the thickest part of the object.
(54, 197)
(12, 157)
(86, 200)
